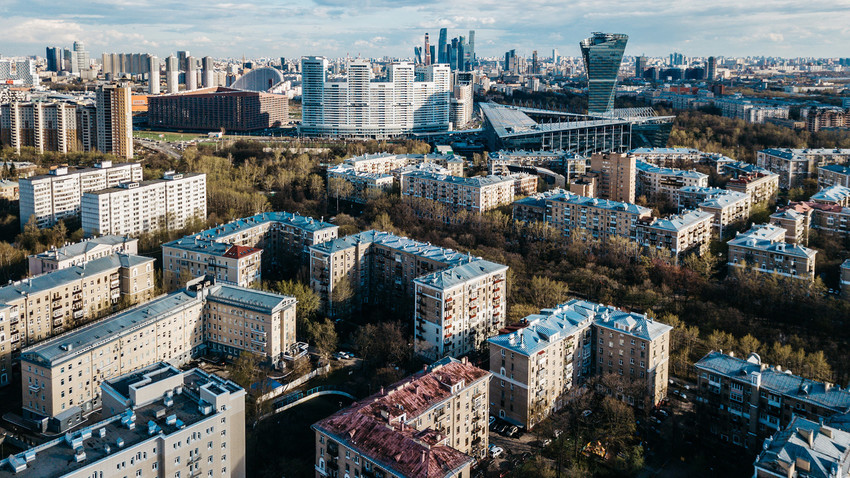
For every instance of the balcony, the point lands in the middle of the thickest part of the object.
(57, 313)
(78, 314)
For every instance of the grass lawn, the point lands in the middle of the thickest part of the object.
(166, 136)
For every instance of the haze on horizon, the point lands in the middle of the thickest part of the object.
(375, 28)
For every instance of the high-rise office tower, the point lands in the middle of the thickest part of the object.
(314, 73)
(80, 58)
(433, 53)
(172, 74)
(191, 74)
(182, 59)
(461, 55)
(54, 58)
(640, 66)
(427, 51)
(417, 55)
(453, 54)
(535, 66)
(441, 46)
(510, 60)
(602, 53)
(209, 72)
(471, 49)
(115, 120)
(153, 75)
(66, 59)
(555, 56)
(711, 69)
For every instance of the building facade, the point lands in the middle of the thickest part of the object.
(476, 194)
(760, 187)
(804, 448)
(687, 233)
(602, 54)
(115, 120)
(616, 176)
(796, 165)
(219, 108)
(81, 252)
(833, 175)
(764, 249)
(729, 207)
(657, 183)
(598, 218)
(429, 425)
(134, 208)
(48, 126)
(58, 195)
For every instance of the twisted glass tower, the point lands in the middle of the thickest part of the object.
(603, 53)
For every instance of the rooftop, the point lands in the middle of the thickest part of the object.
(474, 181)
(571, 198)
(144, 184)
(681, 173)
(81, 248)
(800, 154)
(399, 243)
(461, 274)
(379, 426)
(832, 194)
(257, 300)
(803, 442)
(837, 168)
(681, 221)
(539, 199)
(66, 171)
(662, 151)
(724, 199)
(776, 380)
(349, 170)
(747, 168)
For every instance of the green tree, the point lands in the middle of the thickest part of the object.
(324, 337)
(308, 301)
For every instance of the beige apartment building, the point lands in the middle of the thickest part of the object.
(157, 422)
(764, 249)
(58, 195)
(476, 194)
(835, 195)
(834, 175)
(616, 176)
(115, 120)
(682, 234)
(657, 183)
(762, 188)
(135, 208)
(795, 165)
(237, 252)
(598, 218)
(796, 219)
(430, 425)
(536, 365)
(81, 252)
(61, 377)
(730, 208)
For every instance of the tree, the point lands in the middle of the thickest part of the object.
(382, 344)
(245, 369)
(324, 338)
(544, 292)
(308, 301)
(339, 187)
(341, 296)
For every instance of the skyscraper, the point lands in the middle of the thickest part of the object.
(191, 74)
(54, 58)
(711, 69)
(427, 51)
(314, 72)
(80, 58)
(555, 56)
(417, 55)
(640, 66)
(209, 72)
(471, 49)
(602, 53)
(172, 74)
(182, 59)
(535, 66)
(441, 46)
(153, 76)
(115, 120)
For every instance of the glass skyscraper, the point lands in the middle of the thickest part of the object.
(603, 53)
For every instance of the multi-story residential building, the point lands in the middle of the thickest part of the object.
(764, 249)
(43, 306)
(746, 401)
(238, 252)
(430, 425)
(9, 190)
(796, 165)
(833, 175)
(457, 309)
(149, 416)
(409, 101)
(174, 328)
(796, 219)
(115, 120)
(476, 194)
(616, 176)
(80, 253)
(689, 232)
(657, 183)
(364, 186)
(728, 207)
(681, 158)
(762, 188)
(134, 208)
(47, 126)
(845, 279)
(58, 195)
(835, 195)
(804, 448)
(533, 208)
(218, 108)
(385, 163)
(598, 218)
(18, 72)
(818, 118)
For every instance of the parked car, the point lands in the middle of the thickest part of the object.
(496, 451)
(511, 431)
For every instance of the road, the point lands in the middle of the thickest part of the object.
(158, 147)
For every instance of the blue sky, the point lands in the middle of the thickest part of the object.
(372, 28)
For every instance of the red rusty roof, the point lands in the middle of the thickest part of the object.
(238, 252)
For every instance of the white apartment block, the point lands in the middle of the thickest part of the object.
(795, 165)
(409, 101)
(728, 207)
(19, 72)
(686, 233)
(138, 207)
(80, 253)
(58, 195)
(477, 194)
(363, 185)
(159, 422)
(656, 183)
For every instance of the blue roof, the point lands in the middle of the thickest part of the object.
(677, 223)
(832, 194)
(80, 248)
(682, 173)
(403, 244)
(664, 151)
(571, 198)
(254, 299)
(826, 454)
(837, 168)
(474, 181)
(460, 274)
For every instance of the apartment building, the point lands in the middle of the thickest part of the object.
(9, 190)
(34, 309)
(598, 218)
(115, 120)
(386, 163)
(457, 309)
(158, 422)
(845, 279)
(565, 163)
(218, 108)
(764, 249)
(833, 175)
(796, 165)
(58, 195)
(80, 253)
(728, 207)
(364, 185)
(430, 425)
(238, 252)
(616, 176)
(135, 208)
(46, 126)
(533, 208)
(477, 194)
(804, 448)
(657, 183)
(683, 234)
(524, 184)
(681, 158)
(61, 377)
(796, 219)
(745, 401)
(835, 195)
(762, 188)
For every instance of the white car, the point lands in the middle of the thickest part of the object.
(496, 451)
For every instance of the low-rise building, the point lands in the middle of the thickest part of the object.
(745, 401)
(533, 208)
(682, 234)
(598, 218)
(764, 249)
(134, 208)
(149, 415)
(364, 185)
(837, 195)
(760, 187)
(238, 252)
(476, 194)
(796, 165)
(658, 183)
(430, 425)
(804, 448)
(9, 190)
(833, 175)
(80, 253)
(61, 377)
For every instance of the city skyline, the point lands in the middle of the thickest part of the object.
(336, 28)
